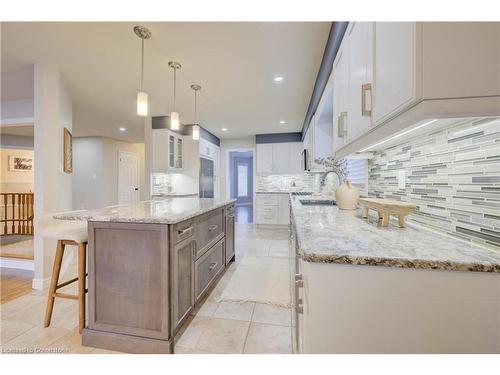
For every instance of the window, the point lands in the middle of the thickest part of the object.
(242, 180)
(358, 174)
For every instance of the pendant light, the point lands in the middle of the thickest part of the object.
(142, 98)
(174, 116)
(196, 127)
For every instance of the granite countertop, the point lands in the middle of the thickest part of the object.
(326, 234)
(173, 195)
(281, 191)
(158, 211)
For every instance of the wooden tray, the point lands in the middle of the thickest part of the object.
(387, 207)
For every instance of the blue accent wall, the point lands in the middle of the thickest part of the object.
(163, 122)
(278, 137)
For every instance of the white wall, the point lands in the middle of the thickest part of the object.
(53, 187)
(15, 181)
(229, 144)
(95, 171)
(17, 109)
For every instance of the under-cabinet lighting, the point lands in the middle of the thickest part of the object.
(282, 122)
(278, 79)
(398, 135)
(224, 129)
(122, 129)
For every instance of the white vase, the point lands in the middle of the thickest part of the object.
(347, 196)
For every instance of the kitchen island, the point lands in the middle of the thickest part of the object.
(364, 288)
(149, 265)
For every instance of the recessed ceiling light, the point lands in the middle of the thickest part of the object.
(282, 122)
(224, 129)
(122, 129)
(278, 79)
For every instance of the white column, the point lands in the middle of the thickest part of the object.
(53, 187)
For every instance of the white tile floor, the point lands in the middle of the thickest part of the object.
(217, 326)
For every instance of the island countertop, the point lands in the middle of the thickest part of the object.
(158, 211)
(327, 234)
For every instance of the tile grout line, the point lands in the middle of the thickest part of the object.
(248, 330)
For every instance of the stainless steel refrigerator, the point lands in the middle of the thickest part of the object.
(206, 178)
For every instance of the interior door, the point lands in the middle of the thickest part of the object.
(243, 180)
(128, 178)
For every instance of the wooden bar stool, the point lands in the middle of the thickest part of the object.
(66, 232)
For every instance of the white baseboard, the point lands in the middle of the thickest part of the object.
(20, 264)
(40, 284)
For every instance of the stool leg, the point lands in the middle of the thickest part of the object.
(53, 282)
(82, 256)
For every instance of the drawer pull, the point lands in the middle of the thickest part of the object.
(212, 266)
(211, 228)
(184, 231)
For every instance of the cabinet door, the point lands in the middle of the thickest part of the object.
(265, 158)
(160, 150)
(171, 151)
(179, 153)
(360, 39)
(340, 96)
(281, 161)
(183, 280)
(295, 158)
(284, 210)
(394, 86)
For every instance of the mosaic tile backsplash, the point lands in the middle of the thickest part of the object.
(452, 175)
(274, 182)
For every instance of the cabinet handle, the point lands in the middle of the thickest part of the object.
(212, 266)
(366, 89)
(181, 232)
(195, 245)
(341, 125)
(299, 308)
(211, 228)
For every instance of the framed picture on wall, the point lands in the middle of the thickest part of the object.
(68, 151)
(20, 163)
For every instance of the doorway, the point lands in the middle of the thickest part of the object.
(128, 178)
(241, 183)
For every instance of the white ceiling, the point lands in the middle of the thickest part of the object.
(235, 64)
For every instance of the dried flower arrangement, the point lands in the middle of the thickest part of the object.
(335, 165)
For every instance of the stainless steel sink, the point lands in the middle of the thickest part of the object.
(317, 202)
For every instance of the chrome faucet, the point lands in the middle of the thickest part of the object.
(323, 178)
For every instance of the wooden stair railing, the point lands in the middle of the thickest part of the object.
(16, 213)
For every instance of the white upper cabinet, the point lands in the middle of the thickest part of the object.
(168, 150)
(265, 158)
(394, 68)
(360, 40)
(341, 97)
(279, 158)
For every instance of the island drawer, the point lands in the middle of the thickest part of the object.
(183, 230)
(208, 267)
(267, 199)
(209, 228)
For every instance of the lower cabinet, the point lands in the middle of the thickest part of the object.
(183, 280)
(207, 268)
(273, 209)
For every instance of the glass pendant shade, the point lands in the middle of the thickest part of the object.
(196, 132)
(174, 120)
(142, 103)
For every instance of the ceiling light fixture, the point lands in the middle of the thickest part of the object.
(224, 129)
(196, 127)
(174, 116)
(398, 135)
(278, 79)
(142, 98)
(282, 122)
(122, 129)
